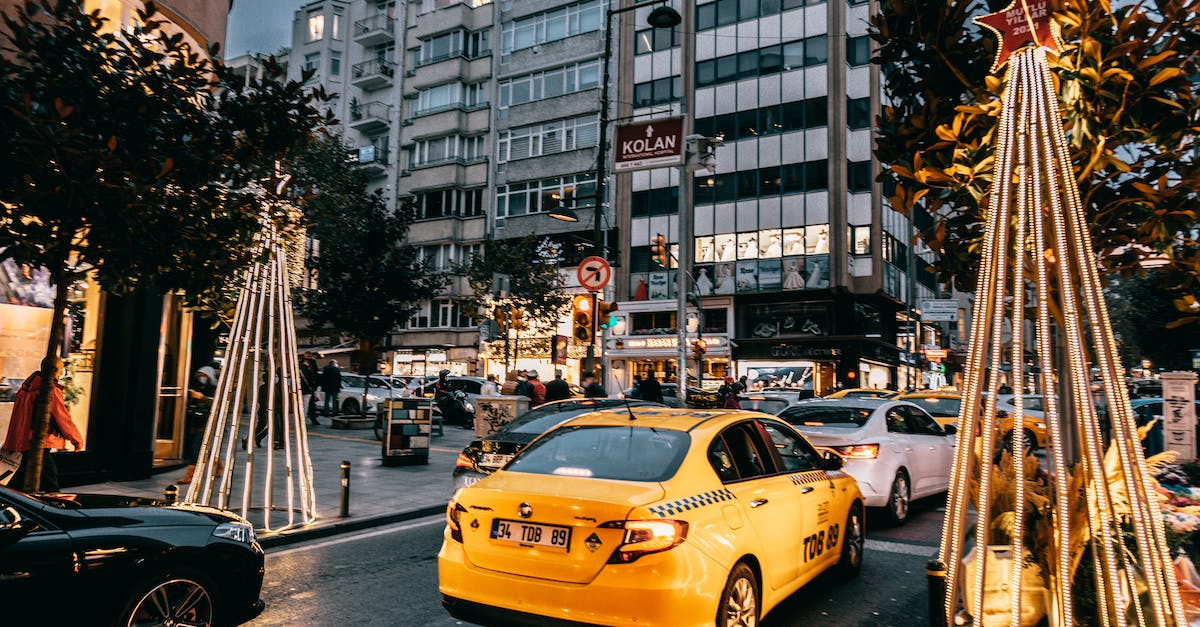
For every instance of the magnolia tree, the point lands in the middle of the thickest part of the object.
(130, 156)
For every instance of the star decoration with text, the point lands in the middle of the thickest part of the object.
(1022, 22)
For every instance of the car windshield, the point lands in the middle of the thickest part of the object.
(541, 419)
(766, 405)
(623, 453)
(828, 416)
(937, 406)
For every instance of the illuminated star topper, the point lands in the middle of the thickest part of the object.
(1022, 22)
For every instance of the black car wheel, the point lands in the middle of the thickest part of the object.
(739, 601)
(350, 407)
(175, 598)
(898, 499)
(380, 428)
(852, 543)
(1029, 442)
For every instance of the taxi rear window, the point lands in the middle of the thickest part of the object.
(766, 405)
(937, 406)
(851, 417)
(605, 452)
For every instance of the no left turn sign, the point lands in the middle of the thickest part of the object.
(594, 273)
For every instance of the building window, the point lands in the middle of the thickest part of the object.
(792, 178)
(337, 23)
(449, 149)
(858, 51)
(316, 26)
(312, 61)
(725, 12)
(459, 43)
(781, 118)
(858, 113)
(764, 61)
(449, 96)
(860, 240)
(655, 39)
(568, 21)
(551, 83)
(654, 202)
(445, 203)
(548, 138)
(335, 63)
(858, 176)
(536, 196)
(661, 91)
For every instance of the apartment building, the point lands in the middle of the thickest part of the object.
(805, 275)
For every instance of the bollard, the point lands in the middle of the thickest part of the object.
(171, 493)
(935, 574)
(345, 489)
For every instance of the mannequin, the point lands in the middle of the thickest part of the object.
(704, 285)
(792, 279)
(725, 283)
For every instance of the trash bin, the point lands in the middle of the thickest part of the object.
(407, 431)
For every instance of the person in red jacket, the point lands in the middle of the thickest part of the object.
(20, 429)
(538, 389)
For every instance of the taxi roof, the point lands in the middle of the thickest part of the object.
(661, 417)
(930, 394)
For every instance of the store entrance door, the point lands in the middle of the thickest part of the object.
(174, 355)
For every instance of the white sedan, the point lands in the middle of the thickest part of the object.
(894, 449)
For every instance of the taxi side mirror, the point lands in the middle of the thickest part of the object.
(950, 429)
(832, 461)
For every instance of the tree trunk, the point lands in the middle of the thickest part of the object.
(367, 358)
(41, 405)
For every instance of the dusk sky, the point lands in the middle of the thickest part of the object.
(260, 26)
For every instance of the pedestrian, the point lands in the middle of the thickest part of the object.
(636, 390)
(60, 430)
(557, 389)
(537, 389)
(310, 378)
(651, 389)
(524, 388)
(592, 387)
(489, 387)
(331, 386)
(262, 429)
(743, 385)
(199, 401)
(728, 393)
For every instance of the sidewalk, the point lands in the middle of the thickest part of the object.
(378, 494)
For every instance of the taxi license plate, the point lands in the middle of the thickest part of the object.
(531, 533)
(494, 459)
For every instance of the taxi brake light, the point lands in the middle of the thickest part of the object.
(858, 451)
(643, 537)
(463, 461)
(453, 515)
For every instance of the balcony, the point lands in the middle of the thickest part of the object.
(370, 118)
(373, 74)
(373, 160)
(375, 30)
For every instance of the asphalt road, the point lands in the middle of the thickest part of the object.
(388, 576)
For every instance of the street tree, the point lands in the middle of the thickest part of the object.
(529, 267)
(369, 279)
(130, 157)
(1127, 85)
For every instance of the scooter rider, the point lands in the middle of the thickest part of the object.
(453, 404)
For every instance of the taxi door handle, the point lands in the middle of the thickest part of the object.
(758, 502)
(806, 489)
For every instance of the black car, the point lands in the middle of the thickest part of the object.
(112, 560)
(697, 398)
(483, 457)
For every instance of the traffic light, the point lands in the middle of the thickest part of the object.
(516, 319)
(699, 347)
(500, 315)
(659, 253)
(581, 319)
(604, 313)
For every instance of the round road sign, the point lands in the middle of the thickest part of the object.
(594, 273)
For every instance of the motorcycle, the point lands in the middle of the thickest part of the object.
(456, 410)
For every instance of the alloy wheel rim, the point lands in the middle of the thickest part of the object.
(855, 539)
(900, 497)
(174, 603)
(741, 610)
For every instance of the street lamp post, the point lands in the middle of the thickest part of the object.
(687, 64)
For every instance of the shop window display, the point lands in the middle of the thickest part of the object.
(770, 242)
(789, 259)
(747, 276)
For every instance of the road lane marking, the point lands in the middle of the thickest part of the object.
(376, 442)
(362, 535)
(903, 548)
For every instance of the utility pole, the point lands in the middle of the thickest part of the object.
(687, 56)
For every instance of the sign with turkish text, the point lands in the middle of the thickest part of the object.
(940, 310)
(650, 144)
(1179, 412)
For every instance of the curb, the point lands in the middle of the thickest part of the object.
(346, 526)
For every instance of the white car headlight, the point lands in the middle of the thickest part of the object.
(236, 531)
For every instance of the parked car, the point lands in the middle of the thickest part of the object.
(945, 407)
(9, 387)
(799, 393)
(895, 450)
(485, 456)
(351, 396)
(861, 393)
(116, 560)
(666, 517)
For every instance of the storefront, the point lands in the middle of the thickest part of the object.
(644, 340)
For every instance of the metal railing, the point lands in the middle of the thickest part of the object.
(364, 111)
(374, 67)
(374, 23)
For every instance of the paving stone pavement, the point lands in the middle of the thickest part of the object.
(378, 494)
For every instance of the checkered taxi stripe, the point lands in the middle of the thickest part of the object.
(812, 476)
(691, 502)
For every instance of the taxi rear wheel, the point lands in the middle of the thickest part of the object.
(852, 543)
(739, 601)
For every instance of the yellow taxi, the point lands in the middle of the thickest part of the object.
(945, 405)
(650, 516)
(861, 393)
